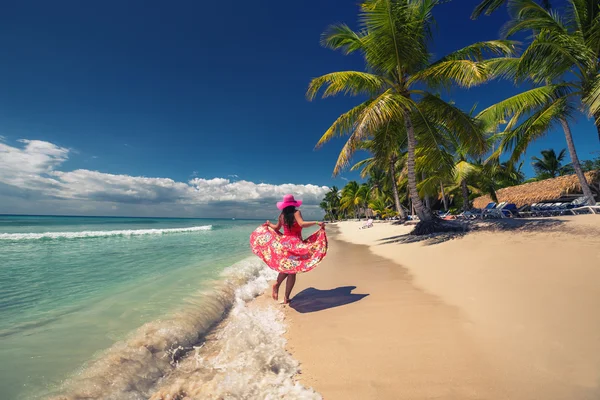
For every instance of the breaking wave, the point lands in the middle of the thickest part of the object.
(221, 347)
(95, 234)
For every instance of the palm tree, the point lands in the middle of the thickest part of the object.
(351, 199)
(381, 208)
(377, 181)
(386, 148)
(325, 207)
(550, 165)
(547, 61)
(332, 198)
(452, 149)
(566, 47)
(394, 41)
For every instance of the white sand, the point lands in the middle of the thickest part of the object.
(491, 315)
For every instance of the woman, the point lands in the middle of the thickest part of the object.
(288, 253)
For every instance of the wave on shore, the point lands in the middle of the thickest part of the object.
(217, 348)
(95, 234)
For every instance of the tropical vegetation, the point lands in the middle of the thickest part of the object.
(425, 152)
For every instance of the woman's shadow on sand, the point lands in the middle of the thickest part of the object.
(312, 300)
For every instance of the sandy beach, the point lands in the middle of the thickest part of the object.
(497, 313)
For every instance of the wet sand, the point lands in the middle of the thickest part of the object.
(491, 315)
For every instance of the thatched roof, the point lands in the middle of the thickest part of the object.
(537, 192)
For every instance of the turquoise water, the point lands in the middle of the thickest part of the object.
(71, 287)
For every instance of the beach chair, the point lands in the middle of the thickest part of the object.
(510, 210)
(476, 212)
(579, 206)
(368, 224)
(494, 212)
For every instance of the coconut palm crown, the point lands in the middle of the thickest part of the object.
(400, 82)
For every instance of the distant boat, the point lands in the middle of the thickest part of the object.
(233, 219)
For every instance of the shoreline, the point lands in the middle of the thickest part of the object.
(501, 312)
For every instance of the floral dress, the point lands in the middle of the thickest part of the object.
(288, 252)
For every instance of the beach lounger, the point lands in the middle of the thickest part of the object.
(587, 209)
(495, 212)
(510, 210)
(581, 207)
(523, 211)
(476, 212)
(368, 224)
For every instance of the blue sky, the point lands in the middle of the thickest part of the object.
(188, 89)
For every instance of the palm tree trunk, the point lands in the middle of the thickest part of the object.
(465, 195)
(399, 208)
(422, 212)
(427, 199)
(576, 165)
(444, 200)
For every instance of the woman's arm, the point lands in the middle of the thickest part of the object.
(306, 224)
(273, 226)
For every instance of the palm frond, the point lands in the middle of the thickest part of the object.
(383, 110)
(592, 97)
(467, 129)
(502, 68)
(463, 170)
(344, 125)
(347, 82)
(341, 37)
(487, 7)
(535, 126)
(565, 51)
(528, 15)
(523, 103)
(466, 66)
(398, 34)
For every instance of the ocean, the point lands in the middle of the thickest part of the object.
(133, 308)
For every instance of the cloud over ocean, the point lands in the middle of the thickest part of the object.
(32, 182)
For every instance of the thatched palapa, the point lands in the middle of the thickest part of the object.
(542, 191)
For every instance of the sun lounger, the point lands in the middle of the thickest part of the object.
(581, 207)
(587, 209)
(368, 224)
(475, 212)
(497, 212)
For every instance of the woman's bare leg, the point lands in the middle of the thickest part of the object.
(289, 285)
(280, 279)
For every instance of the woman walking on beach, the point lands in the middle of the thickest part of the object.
(288, 253)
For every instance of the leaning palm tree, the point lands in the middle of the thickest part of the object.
(558, 61)
(550, 164)
(394, 41)
(566, 48)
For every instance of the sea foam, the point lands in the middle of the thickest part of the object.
(245, 357)
(94, 234)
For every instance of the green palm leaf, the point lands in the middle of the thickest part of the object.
(347, 82)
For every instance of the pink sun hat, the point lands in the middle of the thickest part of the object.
(288, 200)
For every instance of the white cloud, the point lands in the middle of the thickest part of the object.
(31, 174)
(2, 138)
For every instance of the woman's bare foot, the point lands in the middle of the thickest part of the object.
(275, 293)
(286, 301)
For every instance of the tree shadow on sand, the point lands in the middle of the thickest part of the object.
(489, 225)
(312, 300)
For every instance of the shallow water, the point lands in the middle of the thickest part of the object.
(79, 296)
